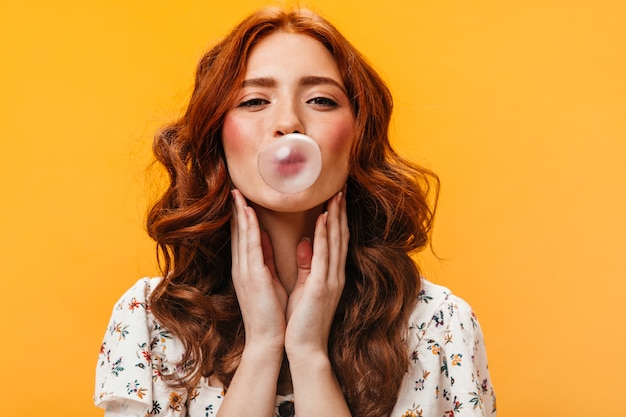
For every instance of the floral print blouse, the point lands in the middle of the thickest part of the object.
(448, 375)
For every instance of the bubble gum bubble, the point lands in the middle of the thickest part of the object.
(291, 163)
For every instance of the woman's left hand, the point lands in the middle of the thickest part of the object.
(319, 285)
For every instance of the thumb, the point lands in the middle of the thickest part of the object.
(304, 255)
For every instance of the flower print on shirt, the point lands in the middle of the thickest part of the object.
(447, 376)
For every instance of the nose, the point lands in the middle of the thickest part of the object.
(288, 120)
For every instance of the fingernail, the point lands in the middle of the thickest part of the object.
(305, 239)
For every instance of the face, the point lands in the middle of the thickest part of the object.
(291, 85)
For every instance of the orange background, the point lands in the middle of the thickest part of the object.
(519, 106)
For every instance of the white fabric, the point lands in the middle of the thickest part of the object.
(448, 375)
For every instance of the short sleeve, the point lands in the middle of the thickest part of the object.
(135, 353)
(449, 375)
(464, 372)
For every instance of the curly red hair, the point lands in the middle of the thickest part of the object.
(390, 212)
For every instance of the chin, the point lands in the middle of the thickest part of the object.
(273, 200)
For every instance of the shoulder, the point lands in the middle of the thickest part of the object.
(440, 315)
(139, 293)
(131, 317)
(432, 301)
(136, 351)
(448, 358)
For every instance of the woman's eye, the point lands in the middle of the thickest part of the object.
(253, 102)
(323, 101)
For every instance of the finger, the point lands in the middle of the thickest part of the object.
(304, 253)
(345, 230)
(304, 256)
(268, 253)
(319, 263)
(241, 244)
(336, 247)
(253, 239)
(234, 233)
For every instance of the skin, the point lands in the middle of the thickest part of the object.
(289, 250)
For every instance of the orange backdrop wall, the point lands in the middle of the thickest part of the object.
(519, 106)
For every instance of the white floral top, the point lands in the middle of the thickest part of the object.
(448, 375)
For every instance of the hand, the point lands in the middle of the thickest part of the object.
(262, 298)
(321, 278)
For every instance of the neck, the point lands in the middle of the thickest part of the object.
(285, 231)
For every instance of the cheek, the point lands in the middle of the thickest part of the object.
(239, 150)
(234, 144)
(239, 145)
(340, 137)
(232, 137)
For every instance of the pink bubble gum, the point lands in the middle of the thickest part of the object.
(291, 163)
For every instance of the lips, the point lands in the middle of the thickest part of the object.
(290, 161)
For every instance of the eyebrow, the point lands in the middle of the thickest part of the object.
(315, 80)
(310, 80)
(259, 82)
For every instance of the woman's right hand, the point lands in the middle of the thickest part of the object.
(262, 298)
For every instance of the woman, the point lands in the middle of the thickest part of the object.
(277, 301)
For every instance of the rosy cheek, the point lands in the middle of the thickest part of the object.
(233, 136)
(239, 152)
(340, 136)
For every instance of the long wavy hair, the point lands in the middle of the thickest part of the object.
(390, 213)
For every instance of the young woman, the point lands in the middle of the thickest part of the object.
(309, 302)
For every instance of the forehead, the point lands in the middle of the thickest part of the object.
(284, 53)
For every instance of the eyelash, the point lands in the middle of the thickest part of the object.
(253, 102)
(318, 101)
(322, 101)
